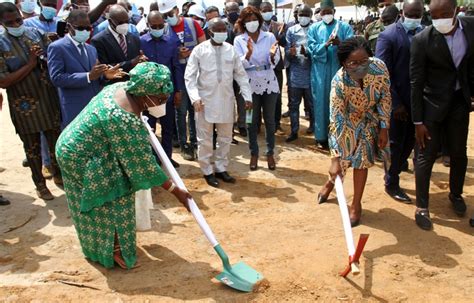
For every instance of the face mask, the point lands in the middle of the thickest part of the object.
(317, 17)
(16, 31)
(462, 14)
(130, 14)
(443, 26)
(219, 38)
(267, 16)
(157, 33)
(233, 17)
(81, 36)
(327, 18)
(411, 24)
(107, 15)
(304, 21)
(156, 111)
(359, 72)
(48, 12)
(28, 7)
(252, 26)
(172, 20)
(122, 29)
(241, 7)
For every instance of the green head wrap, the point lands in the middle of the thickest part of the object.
(326, 4)
(149, 78)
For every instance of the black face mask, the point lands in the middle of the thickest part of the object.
(233, 17)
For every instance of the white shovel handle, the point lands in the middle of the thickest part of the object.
(346, 221)
(177, 180)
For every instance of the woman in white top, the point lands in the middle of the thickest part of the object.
(258, 51)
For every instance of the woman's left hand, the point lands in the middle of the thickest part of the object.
(383, 138)
(273, 51)
(182, 197)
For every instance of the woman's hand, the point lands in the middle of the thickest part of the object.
(335, 169)
(273, 50)
(383, 138)
(182, 197)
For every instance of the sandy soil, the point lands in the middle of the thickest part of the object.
(268, 219)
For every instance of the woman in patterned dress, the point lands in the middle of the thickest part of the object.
(105, 157)
(359, 117)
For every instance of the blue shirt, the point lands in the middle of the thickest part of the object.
(457, 45)
(43, 26)
(132, 29)
(300, 65)
(164, 51)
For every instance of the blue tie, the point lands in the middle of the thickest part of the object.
(84, 59)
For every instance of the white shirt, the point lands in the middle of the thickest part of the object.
(79, 50)
(209, 77)
(116, 35)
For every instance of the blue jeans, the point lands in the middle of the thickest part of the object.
(266, 104)
(45, 151)
(181, 113)
(296, 94)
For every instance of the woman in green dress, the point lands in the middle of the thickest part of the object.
(105, 157)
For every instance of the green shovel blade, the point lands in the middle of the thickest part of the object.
(240, 276)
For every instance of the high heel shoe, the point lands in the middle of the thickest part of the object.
(253, 162)
(328, 187)
(271, 162)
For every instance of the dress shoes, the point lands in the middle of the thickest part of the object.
(459, 206)
(422, 219)
(291, 138)
(211, 180)
(224, 176)
(398, 194)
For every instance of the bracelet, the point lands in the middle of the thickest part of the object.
(171, 188)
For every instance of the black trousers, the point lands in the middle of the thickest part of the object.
(402, 141)
(32, 147)
(279, 76)
(456, 128)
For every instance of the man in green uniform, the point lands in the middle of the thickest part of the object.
(388, 15)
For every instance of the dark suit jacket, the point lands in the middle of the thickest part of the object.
(393, 48)
(69, 75)
(434, 75)
(109, 50)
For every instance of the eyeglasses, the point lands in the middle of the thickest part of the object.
(356, 63)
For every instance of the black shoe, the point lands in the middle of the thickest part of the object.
(175, 143)
(211, 180)
(291, 138)
(458, 204)
(397, 194)
(224, 176)
(174, 163)
(285, 114)
(25, 163)
(404, 167)
(187, 151)
(243, 131)
(422, 219)
(4, 201)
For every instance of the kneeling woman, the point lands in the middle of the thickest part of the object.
(105, 157)
(359, 117)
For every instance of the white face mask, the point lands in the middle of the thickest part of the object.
(219, 38)
(122, 29)
(157, 111)
(327, 18)
(252, 26)
(444, 25)
(304, 20)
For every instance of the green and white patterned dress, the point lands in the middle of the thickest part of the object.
(105, 157)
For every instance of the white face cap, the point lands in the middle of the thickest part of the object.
(165, 6)
(197, 10)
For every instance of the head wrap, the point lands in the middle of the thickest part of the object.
(149, 78)
(326, 4)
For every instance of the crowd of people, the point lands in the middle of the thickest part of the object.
(77, 86)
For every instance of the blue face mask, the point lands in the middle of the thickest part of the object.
(48, 12)
(267, 16)
(81, 36)
(157, 33)
(411, 24)
(172, 20)
(16, 31)
(28, 7)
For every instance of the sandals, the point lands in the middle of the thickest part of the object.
(253, 162)
(271, 162)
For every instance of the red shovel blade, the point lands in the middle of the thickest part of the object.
(355, 258)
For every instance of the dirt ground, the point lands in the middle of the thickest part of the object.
(268, 219)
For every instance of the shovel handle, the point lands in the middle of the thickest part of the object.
(206, 229)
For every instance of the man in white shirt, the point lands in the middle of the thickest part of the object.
(210, 72)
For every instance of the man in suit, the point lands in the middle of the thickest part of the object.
(442, 87)
(393, 47)
(73, 67)
(116, 45)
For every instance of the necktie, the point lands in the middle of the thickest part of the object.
(123, 44)
(83, 54)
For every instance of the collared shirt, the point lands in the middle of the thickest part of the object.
(209, 77)
(43, 26)
(300, 65)
(259, 68)
(116, 35)
(79, 50)
(457, 45)
(164, 51)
